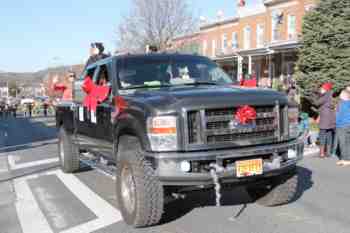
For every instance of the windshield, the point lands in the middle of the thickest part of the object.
(158, 71)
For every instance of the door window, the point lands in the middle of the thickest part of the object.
(79, 94)
(103, 81)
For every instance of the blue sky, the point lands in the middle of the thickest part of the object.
(35, 34)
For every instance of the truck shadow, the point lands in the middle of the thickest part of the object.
(230, 197)
(20, 133)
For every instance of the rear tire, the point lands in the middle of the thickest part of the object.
(68, 152)
(282, 191)
(139, 193)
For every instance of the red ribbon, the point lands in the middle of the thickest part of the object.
(95, 94)
(245, 114)
(120, 105)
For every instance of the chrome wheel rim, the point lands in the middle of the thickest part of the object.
(128, 189)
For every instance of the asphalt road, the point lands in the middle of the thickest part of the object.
(38, 201)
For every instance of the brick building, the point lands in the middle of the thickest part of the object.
(260, 41)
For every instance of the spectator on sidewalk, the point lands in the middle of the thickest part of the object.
(29, 109)
(314, 132)
(14, 110)
(326, 119)
(304, 126)
(343, 128)
(45, 106)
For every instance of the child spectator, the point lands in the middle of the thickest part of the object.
(343, 128)
(304, 126)
(314, 132)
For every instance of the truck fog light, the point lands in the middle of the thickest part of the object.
(292, 154)
(185, 166)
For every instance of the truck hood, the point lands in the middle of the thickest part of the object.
(195, 97)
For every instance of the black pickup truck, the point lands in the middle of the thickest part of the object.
(173, 123)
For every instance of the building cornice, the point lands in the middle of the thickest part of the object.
(219, 23)
(188, 36)
(274, 2)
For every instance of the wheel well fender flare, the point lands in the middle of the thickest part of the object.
(132, 127)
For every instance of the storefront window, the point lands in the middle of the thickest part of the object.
(291, 27)
(234, 40)
(247, 34)
(277, 20)
(205, 46)
(213, 47)
(224, 42)
(260, 36)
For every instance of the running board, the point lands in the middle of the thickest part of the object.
(99, 162)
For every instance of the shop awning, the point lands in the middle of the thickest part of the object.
(291, 44)
(271, 48)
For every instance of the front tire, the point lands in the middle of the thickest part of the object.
(281, 191)
(139, 193)
(68, 152)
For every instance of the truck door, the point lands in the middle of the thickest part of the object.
(103, 111)
(84, 122)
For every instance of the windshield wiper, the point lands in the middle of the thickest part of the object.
(145, 86)
(169, 85)
(200, 83)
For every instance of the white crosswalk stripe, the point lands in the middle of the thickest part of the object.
(33, 220)
(105, 212)
(29, 214)
(12, 162)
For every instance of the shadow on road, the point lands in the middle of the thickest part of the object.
(17, 133)
(305, 182)
(230, 197)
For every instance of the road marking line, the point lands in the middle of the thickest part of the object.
(33, 144)
(4, 167)
(105, 212)
(29, 214)
(12, 162)
(53, 212)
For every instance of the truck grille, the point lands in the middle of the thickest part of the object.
(216, 126)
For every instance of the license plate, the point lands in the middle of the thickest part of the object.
(246, 168)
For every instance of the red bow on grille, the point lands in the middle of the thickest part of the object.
(245, 114)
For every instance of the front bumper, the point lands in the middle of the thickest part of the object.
(276, 161)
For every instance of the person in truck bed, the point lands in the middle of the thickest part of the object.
(96, 53)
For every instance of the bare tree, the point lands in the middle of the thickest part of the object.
(154, 22)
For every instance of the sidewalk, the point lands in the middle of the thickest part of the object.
(311, 151)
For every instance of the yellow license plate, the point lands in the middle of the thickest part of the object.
(246, 168)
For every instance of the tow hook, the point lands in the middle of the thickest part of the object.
(215, 169)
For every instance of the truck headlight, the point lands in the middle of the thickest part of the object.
(162, 133)
(293, 115)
